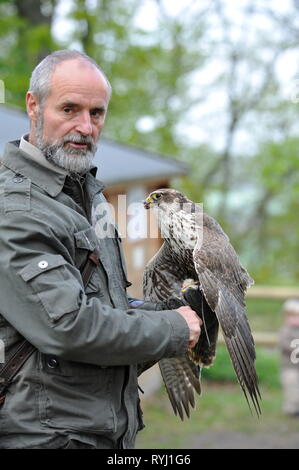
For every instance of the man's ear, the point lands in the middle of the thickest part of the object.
(32, 106)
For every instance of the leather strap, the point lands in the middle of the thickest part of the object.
(91, 263)
(13, 366)
(24, 351)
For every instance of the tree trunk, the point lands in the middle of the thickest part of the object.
(36, 14)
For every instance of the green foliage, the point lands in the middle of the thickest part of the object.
(274, 234)
(158, 75)
(267, 366)
(221, 370)
(147, 71)
(264, 315)
(22, 45)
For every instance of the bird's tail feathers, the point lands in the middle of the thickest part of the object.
(180, 381)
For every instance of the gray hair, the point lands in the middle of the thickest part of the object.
(40, 81)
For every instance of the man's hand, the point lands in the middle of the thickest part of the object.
(175, 303)
(193, 322)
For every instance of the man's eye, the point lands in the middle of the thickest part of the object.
(67, 110)
(97, 113)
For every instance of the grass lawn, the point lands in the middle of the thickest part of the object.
(221, 408)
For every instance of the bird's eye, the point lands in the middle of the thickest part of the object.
(158, 195)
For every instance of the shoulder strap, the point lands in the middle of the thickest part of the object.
(88, 268)
(24, 351)
(12, 367)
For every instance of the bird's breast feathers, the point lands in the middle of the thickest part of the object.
(182, 228)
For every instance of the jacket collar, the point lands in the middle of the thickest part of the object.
(37, 155)
(47, 179)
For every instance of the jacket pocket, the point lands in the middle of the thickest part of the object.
(53, 282)
(76, 397)
(86, 239)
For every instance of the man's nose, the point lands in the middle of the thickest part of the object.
(84, 124)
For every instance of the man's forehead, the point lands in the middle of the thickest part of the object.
(81, 65)
(78, 71)
(72, 81)
(83, 97)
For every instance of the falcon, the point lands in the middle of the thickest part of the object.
(197, 257)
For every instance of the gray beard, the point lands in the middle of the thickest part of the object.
(72, 160)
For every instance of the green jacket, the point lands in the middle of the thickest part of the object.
(82, 382)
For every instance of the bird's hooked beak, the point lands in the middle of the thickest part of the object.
(147, 202)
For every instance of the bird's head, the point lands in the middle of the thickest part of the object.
(174, 212)
(161, 197)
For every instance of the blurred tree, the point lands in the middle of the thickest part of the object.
(272, 229)
(148, 69)
(202, 85)
(36, 29)
(25, 38)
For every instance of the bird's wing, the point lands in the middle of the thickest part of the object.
(181, 377)
(223, 282)
(162, 279)
(217, 253)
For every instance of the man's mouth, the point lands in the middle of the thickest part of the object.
(77, 145)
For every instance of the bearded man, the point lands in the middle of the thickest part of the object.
(72, 341)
